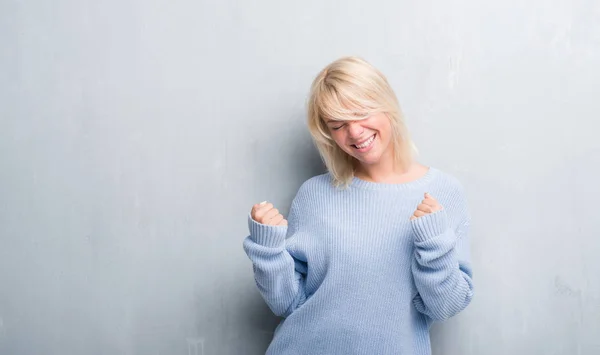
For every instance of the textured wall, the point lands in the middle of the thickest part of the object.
(136, 135)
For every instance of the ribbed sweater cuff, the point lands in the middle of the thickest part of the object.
(430, 226)
(266, 235)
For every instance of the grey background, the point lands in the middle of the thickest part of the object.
(136, 135)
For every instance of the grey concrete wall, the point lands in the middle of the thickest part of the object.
(136, 135)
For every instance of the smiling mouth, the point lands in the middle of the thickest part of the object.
(365, 144)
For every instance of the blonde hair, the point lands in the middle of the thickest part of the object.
(352, 89)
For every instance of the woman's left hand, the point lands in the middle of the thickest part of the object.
(428, 205)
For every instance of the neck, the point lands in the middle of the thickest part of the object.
(386, 170)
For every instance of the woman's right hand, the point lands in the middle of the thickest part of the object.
(265, 213)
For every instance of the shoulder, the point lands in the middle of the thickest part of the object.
(451, 193)
(447, 182)
(313, 191)
(316, 183)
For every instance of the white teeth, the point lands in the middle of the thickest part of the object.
(367, 143)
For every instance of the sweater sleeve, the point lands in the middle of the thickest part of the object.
(441, 267)
(279, 282)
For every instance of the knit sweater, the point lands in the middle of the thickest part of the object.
(352, 274)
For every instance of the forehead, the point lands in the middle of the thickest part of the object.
(335, 107)
(351, 117)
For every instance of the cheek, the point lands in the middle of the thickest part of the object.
(386, 133)
(338, 138)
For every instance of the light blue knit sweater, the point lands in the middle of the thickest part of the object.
(351, 274)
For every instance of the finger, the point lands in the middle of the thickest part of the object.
(272, 213)
(430, 198)
(275, 220)
(253, 211)
(261, 210)
(283, 222)
(256, 206)
(264, 208)
(430, 202)
(420, 213)
(425, 208)
(412, 217)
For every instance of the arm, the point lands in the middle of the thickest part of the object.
(279, 283)
(441, 266)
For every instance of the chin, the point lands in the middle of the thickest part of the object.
(368, 161)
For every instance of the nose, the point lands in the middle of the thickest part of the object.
(355, 130)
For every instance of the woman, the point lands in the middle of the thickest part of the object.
(377, 248)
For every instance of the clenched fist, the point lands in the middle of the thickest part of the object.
(265, 213)
(427, 206)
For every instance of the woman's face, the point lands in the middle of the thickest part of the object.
(368, 140)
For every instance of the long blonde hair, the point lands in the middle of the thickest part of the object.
(350, 88)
